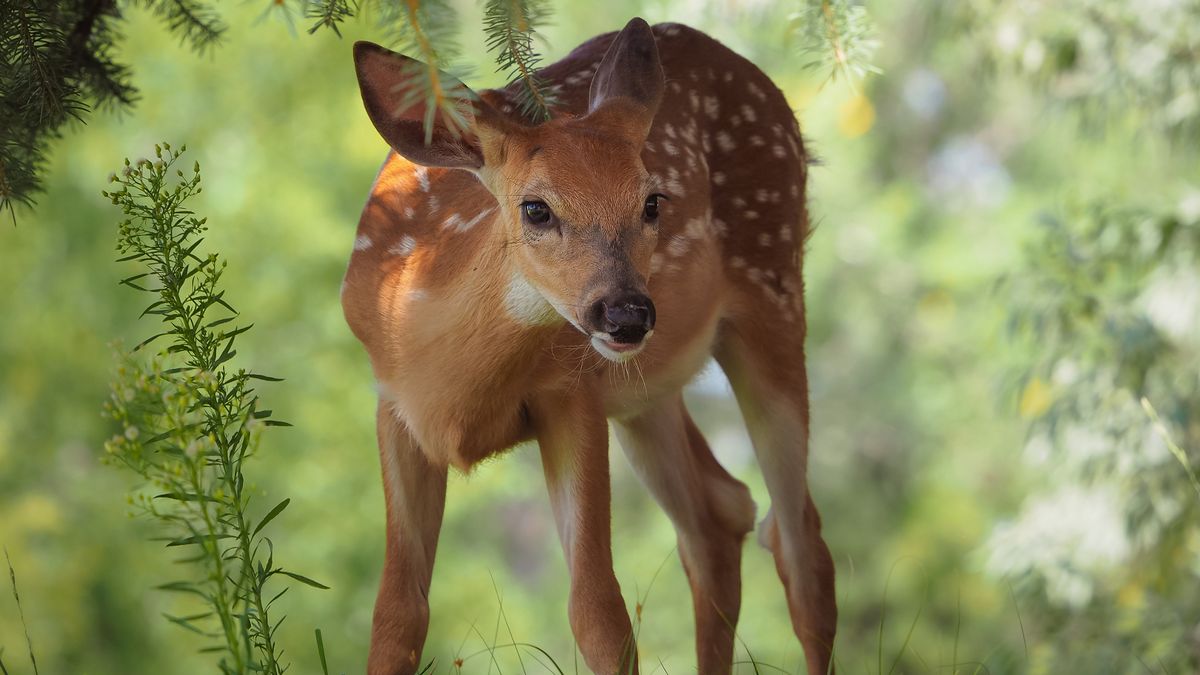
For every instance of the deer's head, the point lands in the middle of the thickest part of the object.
(573, 192)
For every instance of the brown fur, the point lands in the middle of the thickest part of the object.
(470, 360)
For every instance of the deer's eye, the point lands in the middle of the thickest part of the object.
(650, 210)
(536, 213)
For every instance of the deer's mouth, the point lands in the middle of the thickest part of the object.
(618, 352)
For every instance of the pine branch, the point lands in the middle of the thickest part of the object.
(330, 14)
(426, 30)
(194, 21)
(838, 37)
(44, 97)
(509, 26)
(59, 65)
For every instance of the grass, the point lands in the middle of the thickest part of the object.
(527, 657)
(12, 578)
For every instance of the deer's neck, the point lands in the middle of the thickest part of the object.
(465, 356)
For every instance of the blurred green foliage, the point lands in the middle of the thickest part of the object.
(1003, 266)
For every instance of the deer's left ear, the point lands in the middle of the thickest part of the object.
(630, 70)
(389, 85)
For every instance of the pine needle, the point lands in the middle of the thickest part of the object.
(509, 27)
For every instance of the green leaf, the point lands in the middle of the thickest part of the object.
(186, 622)
(265, 378)
(303, 579)
(321, 653)
(197, 538)
(271, 515)
(180, 587)
(186, 497)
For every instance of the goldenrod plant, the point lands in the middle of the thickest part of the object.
(189, 420)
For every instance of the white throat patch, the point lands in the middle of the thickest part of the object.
(526, 305)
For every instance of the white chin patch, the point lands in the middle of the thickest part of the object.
(618, 353)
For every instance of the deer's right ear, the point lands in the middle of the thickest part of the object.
(393, 95)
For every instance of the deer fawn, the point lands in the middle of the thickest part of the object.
(521, 281)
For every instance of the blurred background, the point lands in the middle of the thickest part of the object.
(1003, 293)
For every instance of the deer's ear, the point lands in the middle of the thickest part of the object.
(389, 84)
(631, 70)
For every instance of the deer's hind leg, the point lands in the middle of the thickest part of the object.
(762, 354)
(712, 513)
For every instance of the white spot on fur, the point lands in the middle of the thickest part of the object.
(757, 141)
(728, 76)
(750, 215)
(694, 98)
(779, 151)
(718, 178)
(794, 191)
(749, 113)
(738, 202)
(409, 212)
(761, 196)
(688, 133)
(670, 129)
(656, 262)
(433, 203)
(670, 148)
(725, 141)
(720, 227)
(794, 146)
(452, 221)
(764, 239)
(785, 232)
(422, 174)
(756, 90)
(478, 217)
(676, 87)
(404, 247)
(672, 184)
(737, 262)
(695, 229)
(678, 246)
(712, 107)
(362, 242)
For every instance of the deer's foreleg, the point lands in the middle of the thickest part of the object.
(415, 492)
(573, 434)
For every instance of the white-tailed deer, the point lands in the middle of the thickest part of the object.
(523, 281)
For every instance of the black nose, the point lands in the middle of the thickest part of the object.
(625, 317)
